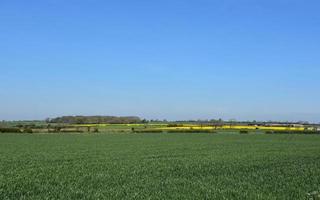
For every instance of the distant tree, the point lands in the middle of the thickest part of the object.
(144, 121)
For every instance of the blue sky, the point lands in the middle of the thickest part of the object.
(183, 59)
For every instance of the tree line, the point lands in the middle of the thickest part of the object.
(95, 120)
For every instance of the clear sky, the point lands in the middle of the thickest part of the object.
(181, 59)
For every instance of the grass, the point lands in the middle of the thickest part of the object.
(158, 166)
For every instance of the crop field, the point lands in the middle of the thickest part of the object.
(158, 166)
(170, 127)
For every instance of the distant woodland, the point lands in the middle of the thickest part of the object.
(95, 120)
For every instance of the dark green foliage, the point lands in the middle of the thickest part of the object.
(96, 120)
(159, 166)
(9, 130)
(144, 121)
(70, 131)
(175, 125)
(244, 132)
(22, 124)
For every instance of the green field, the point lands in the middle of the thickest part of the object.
(158, 166)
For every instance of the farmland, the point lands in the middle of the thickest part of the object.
(171, 127)
(158, 166)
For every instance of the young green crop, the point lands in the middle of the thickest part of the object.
(159, 166)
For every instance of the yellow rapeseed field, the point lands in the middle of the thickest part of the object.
(197, 127)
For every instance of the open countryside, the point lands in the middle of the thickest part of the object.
(158, 160)
(159, 100)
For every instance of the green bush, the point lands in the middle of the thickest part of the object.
(244, 132)
(175, 125)
(10, 130)
(148, 131)
(70, 131)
